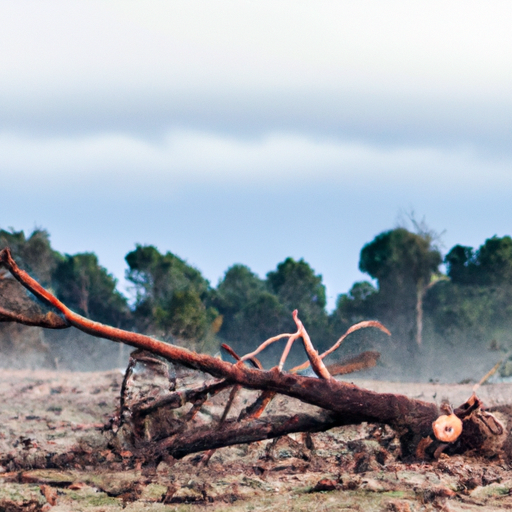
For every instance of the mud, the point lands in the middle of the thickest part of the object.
(54, 456)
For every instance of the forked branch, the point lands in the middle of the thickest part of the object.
(344, 403)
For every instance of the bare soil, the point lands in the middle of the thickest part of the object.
(54, 456)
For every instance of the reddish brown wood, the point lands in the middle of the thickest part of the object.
(347, 403)
(354, 404)
(234, 432)
(355, 364)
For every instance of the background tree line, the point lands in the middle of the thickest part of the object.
(427, 311)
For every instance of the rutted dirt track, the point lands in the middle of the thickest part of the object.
(54, 456)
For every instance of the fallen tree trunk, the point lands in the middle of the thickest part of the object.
(345, 403)
(234, 432)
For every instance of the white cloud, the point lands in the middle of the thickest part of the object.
(148, 98)
(185, 158)
(369, 66)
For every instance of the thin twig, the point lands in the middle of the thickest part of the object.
(356, 327)
(316, 363)
(255, 362)
(50, 320)
(489, 374)
(265, 344)
(255, 410)
(178, 399)
(357, 363)
(287, 349)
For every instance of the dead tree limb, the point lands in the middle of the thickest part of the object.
(345, 403)
(234, 432)
(17, 306)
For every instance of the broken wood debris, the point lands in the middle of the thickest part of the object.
(342, 403)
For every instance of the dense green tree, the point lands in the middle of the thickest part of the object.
(476, 305)
(460, 264)
(298, 287)
(403, 264)
(237, 289)
(34, 254)
(250, 312)
(296, 284)
(86, 287)
(400, 261)
(355, 306)
(254, 309)
(490, 265)
(156, 276)
(82, 284)
(359, 304)
(494, 261)
(184, 315)
(172, 298)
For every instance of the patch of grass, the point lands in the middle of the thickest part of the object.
(91, 498)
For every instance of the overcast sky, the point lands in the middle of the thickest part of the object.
(248, 131)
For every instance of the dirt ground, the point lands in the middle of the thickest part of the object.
(55, 457)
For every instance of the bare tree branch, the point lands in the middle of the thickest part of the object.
(234, 432)
(344, 403)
